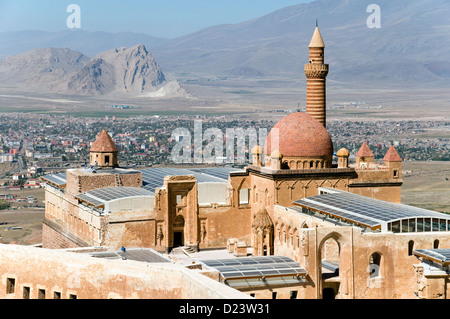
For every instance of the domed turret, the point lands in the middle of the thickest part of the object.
(342, 156)
(256, 154)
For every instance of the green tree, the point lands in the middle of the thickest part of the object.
(3, 204)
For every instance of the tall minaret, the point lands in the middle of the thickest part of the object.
(316, 72)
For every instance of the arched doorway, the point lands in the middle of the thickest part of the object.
(262, 233)
(178, 231)
(329, 259)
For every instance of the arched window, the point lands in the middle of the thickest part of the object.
(244, 196)
(436, 244)
(330, 250)
(374, 265)
(410, 247)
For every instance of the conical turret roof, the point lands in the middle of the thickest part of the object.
(364, 151)
(317, 41)
(104, 143)
(392, 155)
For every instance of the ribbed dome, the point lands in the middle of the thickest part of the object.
(300, 135)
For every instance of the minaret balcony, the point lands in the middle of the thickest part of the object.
(316, 70)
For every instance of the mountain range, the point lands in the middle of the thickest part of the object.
(122, 71)
(410, 49)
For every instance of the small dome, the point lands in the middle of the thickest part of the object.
(343, 152)
(300, 135)
(276, 154)
(257, 149)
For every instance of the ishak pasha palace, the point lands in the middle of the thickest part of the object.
(299, 222)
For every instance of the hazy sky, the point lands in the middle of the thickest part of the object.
(162, 18)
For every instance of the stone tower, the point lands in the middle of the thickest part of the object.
(103, 152)
(316, 72)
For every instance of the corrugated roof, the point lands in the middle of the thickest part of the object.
(99, 196)
(441, 256)
(370, 212)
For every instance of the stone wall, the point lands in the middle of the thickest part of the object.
(54, 239)
(130, 229)
(223, 222)
(396, 278)
(46, 273)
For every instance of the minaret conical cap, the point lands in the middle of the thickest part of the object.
(317, 41)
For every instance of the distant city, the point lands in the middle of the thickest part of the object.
(37, 143)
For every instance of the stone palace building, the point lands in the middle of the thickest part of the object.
(300, 222)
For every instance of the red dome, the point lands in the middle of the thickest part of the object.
(300, 135)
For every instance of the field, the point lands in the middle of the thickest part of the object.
(28, 220)
(244, 97)
(21, 223)
(427, 185)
